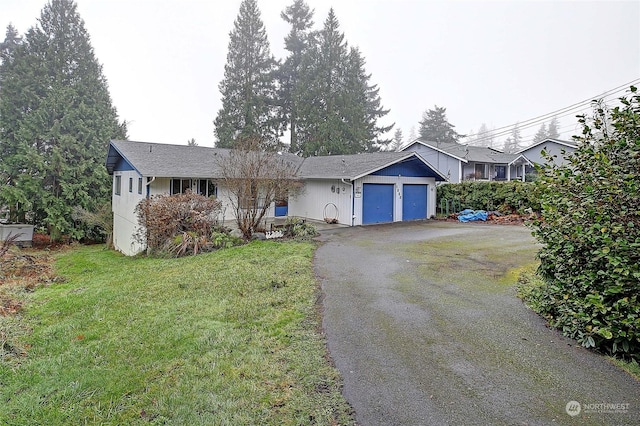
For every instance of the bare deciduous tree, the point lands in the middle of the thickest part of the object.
(255, 178)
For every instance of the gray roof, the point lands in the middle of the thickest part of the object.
(349, 166)
(479, 154)
(179, 161)
(163, 160)
(567, 144)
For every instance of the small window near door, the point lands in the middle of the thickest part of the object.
(130, 184)
(117, 185)
(139, 185)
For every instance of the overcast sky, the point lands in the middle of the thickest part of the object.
(493, 62)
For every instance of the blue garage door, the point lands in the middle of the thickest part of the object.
(377, 203)
(414, 202)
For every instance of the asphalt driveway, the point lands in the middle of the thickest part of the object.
(423, 323)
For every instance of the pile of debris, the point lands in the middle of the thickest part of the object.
(494, 217)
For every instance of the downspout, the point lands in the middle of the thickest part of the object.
(148, 185)
(353, 199)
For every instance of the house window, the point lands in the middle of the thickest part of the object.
(117, 185)
(130, 184)
(139, 185)
(204, 187)
(481, 171)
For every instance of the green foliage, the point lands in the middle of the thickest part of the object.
(300, 229)
(339, 108)
(434, 126)
(226, 338)
(297, 43)
(505, 197)
(590, 231)
(56, 119)
(248, 89)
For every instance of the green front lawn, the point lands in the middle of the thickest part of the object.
(230, 337)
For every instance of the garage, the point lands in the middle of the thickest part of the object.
(377, 201)
(414, 202)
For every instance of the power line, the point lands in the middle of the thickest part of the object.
(562, 112)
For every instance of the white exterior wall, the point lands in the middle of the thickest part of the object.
(125, 222)
(316, 194)
(398, 191)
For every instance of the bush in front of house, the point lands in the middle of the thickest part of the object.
(182, 224)
(505, 197)
(590, 234)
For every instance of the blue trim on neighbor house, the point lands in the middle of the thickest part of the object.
(409, 168)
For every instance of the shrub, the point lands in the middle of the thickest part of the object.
(505, 197)
(178, 224)
(590, 231)
(297, 228)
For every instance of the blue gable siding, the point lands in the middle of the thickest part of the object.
(123, 165)
(409, 168)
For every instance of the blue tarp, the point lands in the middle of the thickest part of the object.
(469, 215)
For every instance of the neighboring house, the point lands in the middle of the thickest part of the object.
(558, 149)
(464, 162)
(352, 189)
(460, 162)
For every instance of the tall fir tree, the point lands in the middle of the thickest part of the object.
(434, 127)
(321, 129)
(398, 140)
(297, 43)
(57, 118)
(541, 134)
(553, 130)
(339, 107)
(513, 142)
(484, 136)
(249, 88)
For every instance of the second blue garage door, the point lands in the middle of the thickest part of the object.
(377, 203)
(414, 202)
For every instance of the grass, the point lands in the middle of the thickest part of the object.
(226, 338)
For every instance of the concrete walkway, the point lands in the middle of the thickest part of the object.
(426, 330)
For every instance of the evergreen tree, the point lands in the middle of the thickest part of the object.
(553, 131)
(249, 86)
(321, 128)
(398, 140)
(513, 142)
(56, 119)
(297, 42)
(541, 134)
(485, 136)
(361, 108)
(339, 107)
(192, 142)
(434, 127)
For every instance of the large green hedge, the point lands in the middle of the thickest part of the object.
(505, 197)
(590, 231)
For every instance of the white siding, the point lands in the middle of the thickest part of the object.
(318, 194)
(125, 222)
